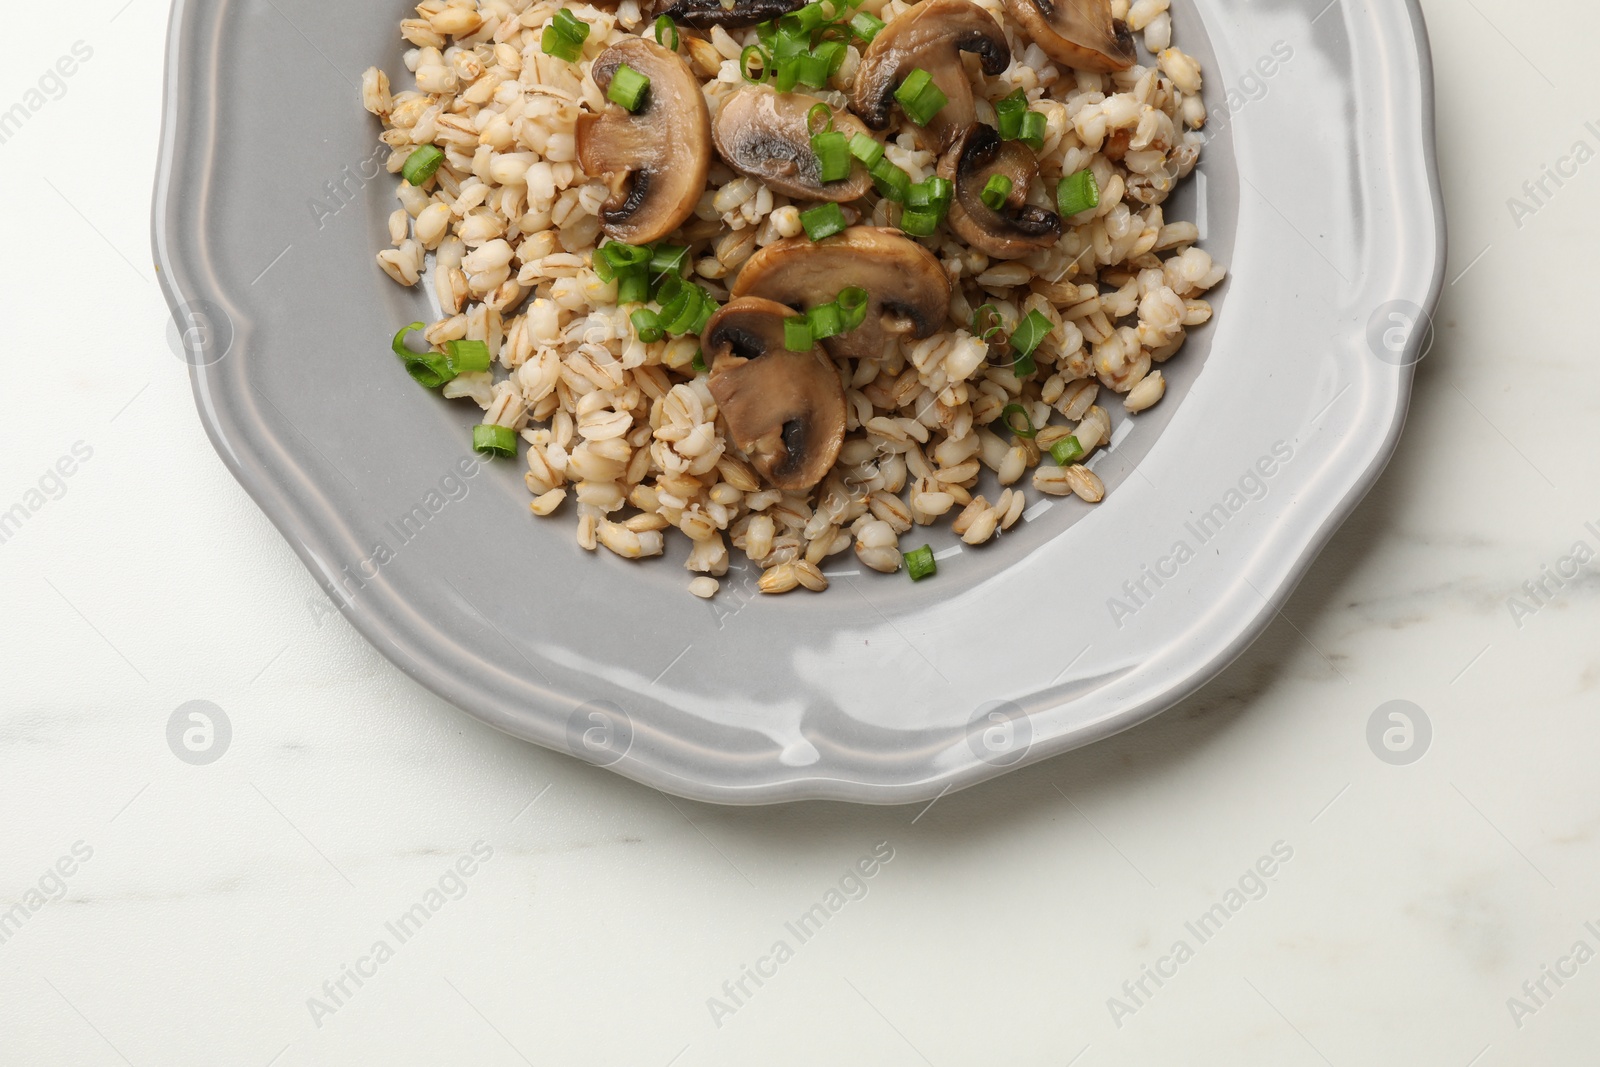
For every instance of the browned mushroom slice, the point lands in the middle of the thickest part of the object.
(655, 159)
(765, 135)
(1079, 33)
(908, 293)
(704, 14)
(1018, 227)
(932, 35)
(785, 410)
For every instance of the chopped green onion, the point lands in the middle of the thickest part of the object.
(763, 72)
(708, 308)
(865, 26)
(919, 223)
(831, 52)
(646, 325)
(786, 45)
(668, 259)
(1008, 114)
(1009, 414)
(467, 357)
(866, 149)
(628, 88)
(819, 111)
(1023, 367)
(810, 70)
(833, 154)
(986, 322)
(554, 43)
(668, 290)
(853, 306)
(699, 362)
(1032, 134)
(1078, 193)
(683, 312)
(995, 192)
(633, 287)
(399, 343)
(564, 37)
(430, 369)
(805, 19)
(824, 220)
(797, 334)
(920, 564)
(422, 164)
(919, 98)
(666, 33)
(933, 192)
(1029, 332)
(1067, 450)
(892, 182)
(494, 440)
(625, 257)
(571, 26)
(825, 320)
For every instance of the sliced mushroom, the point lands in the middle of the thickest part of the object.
(655, 159)
(932, 35)
(908, 293)
(765, 134)
(785, 410)
(1080, 33)
(704, 14)
(1019, 227)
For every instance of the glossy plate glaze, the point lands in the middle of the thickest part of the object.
(1317, 189)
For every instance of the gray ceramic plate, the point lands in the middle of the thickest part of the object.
(1318, 190)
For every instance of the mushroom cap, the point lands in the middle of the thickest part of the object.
(704, 14)
(908, 292)
(1019, 227)
(1082, 34)
(655, 159)
(785, 410)
(764, 134)
(930, 35)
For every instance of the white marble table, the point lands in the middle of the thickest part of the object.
(228, 913)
